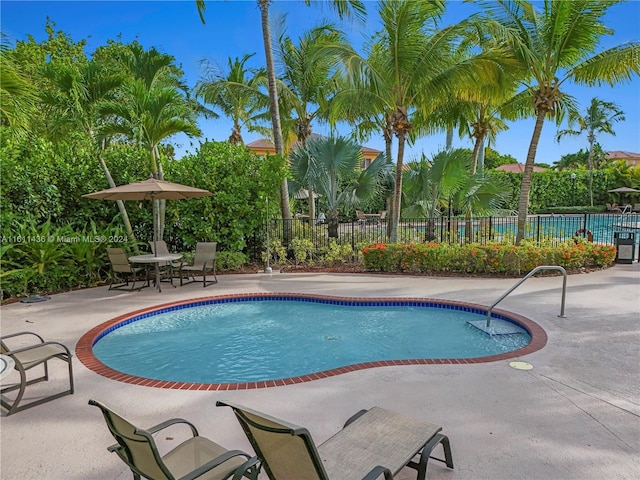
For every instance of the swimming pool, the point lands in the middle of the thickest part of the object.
(253, 340)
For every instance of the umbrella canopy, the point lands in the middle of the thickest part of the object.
(624, 190)
(150, 189)
(303, 194)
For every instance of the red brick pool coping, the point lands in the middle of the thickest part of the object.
(84, 348)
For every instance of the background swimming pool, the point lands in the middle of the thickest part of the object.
(268, 340)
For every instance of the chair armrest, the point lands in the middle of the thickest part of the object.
(354, 417)
(11, 335)
(213, 463)
(37, 345)
(173, 421)
(376, 472)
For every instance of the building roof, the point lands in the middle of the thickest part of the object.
(266, 144)
(622, 155)
(518, 168)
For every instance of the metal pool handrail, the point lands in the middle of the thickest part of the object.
(521, 281)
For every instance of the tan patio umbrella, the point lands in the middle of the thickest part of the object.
(150, 189)
(623, 190)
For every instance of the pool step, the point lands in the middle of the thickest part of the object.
(497, 327)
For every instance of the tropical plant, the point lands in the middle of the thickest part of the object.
(309, 80)
(556, 45)
(235, 93)
(17, 93)
(599, 118)
(418, 66)
(321, 164)
(443, 183)
(344, 9)
(148, 117)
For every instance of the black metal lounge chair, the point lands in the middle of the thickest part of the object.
(372, 444)
(204, 262)
(26, 358)
(196, 457)
(120, 267)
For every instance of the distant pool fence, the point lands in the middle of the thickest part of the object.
(599, 228)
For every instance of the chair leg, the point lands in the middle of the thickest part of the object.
(24, 383)
(425, 455)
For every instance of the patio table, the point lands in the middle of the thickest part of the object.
(157, 259)
(6, 365)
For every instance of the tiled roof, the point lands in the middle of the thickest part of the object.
(517, 168)
(267, 144)
(622, 155)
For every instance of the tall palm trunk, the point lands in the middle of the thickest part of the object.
(387, 133)
(162, 204)
(119, 203)
(397, 191)
(525, 188)
(476, 154)
(449, 139)
(591, 142)
(275, 116)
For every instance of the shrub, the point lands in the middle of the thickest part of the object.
(482, 259)
(302, 249)
(230, 260)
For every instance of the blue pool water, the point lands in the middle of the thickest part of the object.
(258, 340)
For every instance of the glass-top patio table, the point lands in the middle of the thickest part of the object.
(6, 365)
(157, 259)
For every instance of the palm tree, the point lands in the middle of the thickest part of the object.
(17, 94)
(556, 45)
(309, 79)
(344, 9)
(599, 118)
(417, 66)
(79, 90)
(148, 117)
(236, 94)
(323, 161)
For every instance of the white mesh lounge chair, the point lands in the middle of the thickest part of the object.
(196, 457)
(38, 353)
(204, 262)
(373, 444)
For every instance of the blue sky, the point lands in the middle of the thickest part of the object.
(233, 29)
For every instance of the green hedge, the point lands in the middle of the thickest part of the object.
(485, 259)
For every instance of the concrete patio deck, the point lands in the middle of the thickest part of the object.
(575, 415)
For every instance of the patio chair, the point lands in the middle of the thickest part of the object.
(25, 358)
(613, 207)
(362, 218)
(120, 267)
(171, 267)
(636, 208)
(373, 443)
(383, 215)
(196, 457)
(204, 262)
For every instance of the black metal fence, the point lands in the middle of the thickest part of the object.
(599, 228)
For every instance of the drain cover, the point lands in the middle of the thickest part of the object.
(521, 365)
(35, 299)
